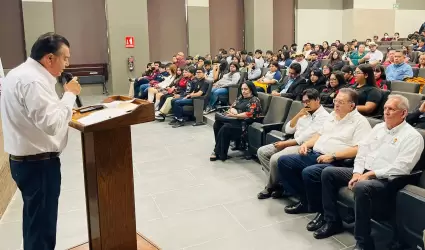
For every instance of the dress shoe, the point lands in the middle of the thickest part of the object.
(178, 124)
(328, 229)
(316, 223)
(279, 193)
(296, 208)
(265, 194)
(174, 121)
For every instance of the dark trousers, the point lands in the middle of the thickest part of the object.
(301, 174)
(162, 100)
(224, 133)
(138, 84)
(177, 105)
(39, 183)
(371, 196)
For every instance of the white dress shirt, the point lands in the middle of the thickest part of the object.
(308, 125)
(336, 136)
(375, 56)
(389, 152)
(34, 119)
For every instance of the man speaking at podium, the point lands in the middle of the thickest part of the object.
(35, 129)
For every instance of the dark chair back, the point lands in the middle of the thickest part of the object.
(296, 106)
(265, 101)
(413, 98)
(408, 87)
(278, 110)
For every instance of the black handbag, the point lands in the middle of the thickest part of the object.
(221, 117)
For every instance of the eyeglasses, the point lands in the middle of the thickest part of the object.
(306, 101)
(340, 102)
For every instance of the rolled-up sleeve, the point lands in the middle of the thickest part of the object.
(48, 115)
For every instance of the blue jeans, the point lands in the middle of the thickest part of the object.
(177, 105)
(39, 182)
(215, 93)
(302, 175)
(137, 85)
(143, 90)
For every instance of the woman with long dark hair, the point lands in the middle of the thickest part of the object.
(380, 77)
(336, 82)
(247, 105)
(369, 94)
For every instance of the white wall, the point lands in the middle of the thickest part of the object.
(316, 26)
(263, 24)
(407, 21)
(374, 4)
(347, 21)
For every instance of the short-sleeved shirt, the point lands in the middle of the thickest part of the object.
(273, 75)
(199, 85)
(368, 94)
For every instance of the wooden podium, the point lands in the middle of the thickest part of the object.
(108, 178)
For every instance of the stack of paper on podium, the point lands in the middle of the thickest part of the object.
(111, 110)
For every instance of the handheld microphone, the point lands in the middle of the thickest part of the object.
(68, 77)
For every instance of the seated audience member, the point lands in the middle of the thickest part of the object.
(422, 28)
(232, 53)
(220, 69)
(313, 64)
(374, 56)
(421, 64)
(347, 52)
(348, 75)
(380, 77)
(181, 62)
(189, 61)
(243, 67)
(406, 52)
(357, 55)
(391, 148)
(175, 92)
(221, 87)
(417, 117)
(299, 58)
(386, 37)
(143, 89)
(268, 60)
(163, 94)
(316, 81)
(421, 45)
(327, 70)
(375, 38)
(336, 82)
(307, 50)
(254, 73)
(208, 57)
(369, 95)
(209, 73)
(285, 60)
(390, 58)
(326, 51)
(162, 86)
(198, 87)
(399, 70)
(396, 36)
(290, 82)
(272, 76)
(335, 61)
(304, 125)
(144, 80)
(335, 141)
(247, 105)
(245, 57)
(258, 57)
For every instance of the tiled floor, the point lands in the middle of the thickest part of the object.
(183, 201)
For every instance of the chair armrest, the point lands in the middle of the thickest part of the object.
(397, 182)
(346, 163)
(223, 107)
(199, 97)
(272, 126)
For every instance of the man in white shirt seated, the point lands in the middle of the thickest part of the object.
(374, 56)
(335, 141)
(392, 148)
(304, 125)
(299, 58)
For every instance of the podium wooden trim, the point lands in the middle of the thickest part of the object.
(108, 179)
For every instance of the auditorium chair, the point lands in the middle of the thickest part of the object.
(275, 116)
(227, 100)
(404, 204)
(324, 62)
(380, 113)
(280, 135)
(414, 69)
(408, 87)
(264, 71)
(199, 104)
(421, 73)
(413, 98)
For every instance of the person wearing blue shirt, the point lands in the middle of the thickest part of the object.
(399, 70)
(273, 76)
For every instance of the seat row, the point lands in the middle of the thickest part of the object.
(405, 213)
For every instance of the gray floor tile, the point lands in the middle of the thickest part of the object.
(72, 229)
(11, 215)
(254, 213)
(72, 200)
(11, 235)
(287, 235)
(146, 209)
(192, 228)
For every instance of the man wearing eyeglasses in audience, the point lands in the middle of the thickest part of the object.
(391, 148)
(304, 124)
(335, 141)
(399, 70)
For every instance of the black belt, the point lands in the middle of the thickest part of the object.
(37, 157)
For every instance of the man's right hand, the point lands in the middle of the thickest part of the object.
(422, 108)
(303, 149)
(353, 180)
(73, 86)
(303, 112)
(275, 93)
(280, 145)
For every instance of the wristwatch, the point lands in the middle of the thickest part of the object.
(334, 156)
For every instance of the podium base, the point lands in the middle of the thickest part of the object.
(142, 244)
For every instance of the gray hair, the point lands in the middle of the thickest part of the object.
(403, 101)
(354, 96)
